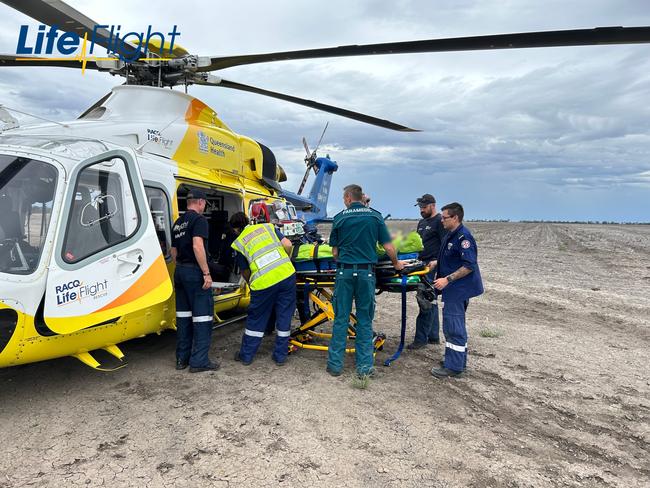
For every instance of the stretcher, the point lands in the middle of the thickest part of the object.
(315, 287)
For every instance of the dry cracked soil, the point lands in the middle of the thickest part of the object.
(557, 392)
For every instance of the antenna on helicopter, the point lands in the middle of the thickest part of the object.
(6, 117)
(310, 159)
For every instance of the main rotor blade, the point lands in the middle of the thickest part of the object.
(66, 18)
(387, 124)
(577, 37)
(12, 60)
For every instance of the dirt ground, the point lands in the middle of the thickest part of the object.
(561, 397)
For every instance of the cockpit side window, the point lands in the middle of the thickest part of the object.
(160, 212)
(27, 189)
(103, 211)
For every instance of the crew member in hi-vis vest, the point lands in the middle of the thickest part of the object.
(263, 258)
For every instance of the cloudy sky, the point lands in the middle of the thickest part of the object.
(555, 133)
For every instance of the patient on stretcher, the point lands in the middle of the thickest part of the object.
(309, 257)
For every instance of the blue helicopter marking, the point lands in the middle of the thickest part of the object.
(313, 208)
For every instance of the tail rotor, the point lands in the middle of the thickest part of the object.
(310, 159)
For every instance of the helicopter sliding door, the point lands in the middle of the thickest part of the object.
(108, 260)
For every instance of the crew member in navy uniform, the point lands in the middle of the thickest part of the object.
(432, 232)
(193, 284)
(459, 279)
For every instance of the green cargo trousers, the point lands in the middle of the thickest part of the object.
(358, 284)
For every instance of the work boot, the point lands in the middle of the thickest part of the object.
(238, 358)
(332, 372)
(180, 365)
(413, 346)
(445, 373)
(209, 367)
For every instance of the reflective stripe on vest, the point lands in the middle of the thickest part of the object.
(269, 262)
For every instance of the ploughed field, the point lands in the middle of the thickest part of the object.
(557, 392)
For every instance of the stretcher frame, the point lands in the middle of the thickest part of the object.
(315, 290)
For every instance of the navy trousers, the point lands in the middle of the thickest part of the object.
(279, 298)
(453, 326)
(427, 323)
(194, 315)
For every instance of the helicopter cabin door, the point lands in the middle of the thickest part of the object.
(108, 260)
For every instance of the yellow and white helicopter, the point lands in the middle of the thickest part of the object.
(86, 206)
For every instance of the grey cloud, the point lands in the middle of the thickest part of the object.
(500, 128)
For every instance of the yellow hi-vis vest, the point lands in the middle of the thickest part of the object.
(268, 260)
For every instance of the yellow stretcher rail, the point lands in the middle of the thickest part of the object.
(316, 310)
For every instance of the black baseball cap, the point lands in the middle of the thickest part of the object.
(196, 194)
(425, 199)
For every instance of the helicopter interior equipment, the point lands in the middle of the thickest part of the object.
(87, 205)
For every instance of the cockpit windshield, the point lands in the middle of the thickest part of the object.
(27, 190)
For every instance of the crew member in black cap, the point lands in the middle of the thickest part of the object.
(193, 284)
(432, 232)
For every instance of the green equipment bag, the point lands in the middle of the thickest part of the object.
(411, 243)
(308, 252)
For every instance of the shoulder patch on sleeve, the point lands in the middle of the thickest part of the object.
(465, 244)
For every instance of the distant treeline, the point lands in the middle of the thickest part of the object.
(598, 222)
(608, 222)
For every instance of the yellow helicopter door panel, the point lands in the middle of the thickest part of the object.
(108, 261)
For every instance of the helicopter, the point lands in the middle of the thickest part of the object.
(87, 205)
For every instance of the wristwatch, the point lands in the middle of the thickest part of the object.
(449, 278)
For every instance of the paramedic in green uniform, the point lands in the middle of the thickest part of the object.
(354, 237)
